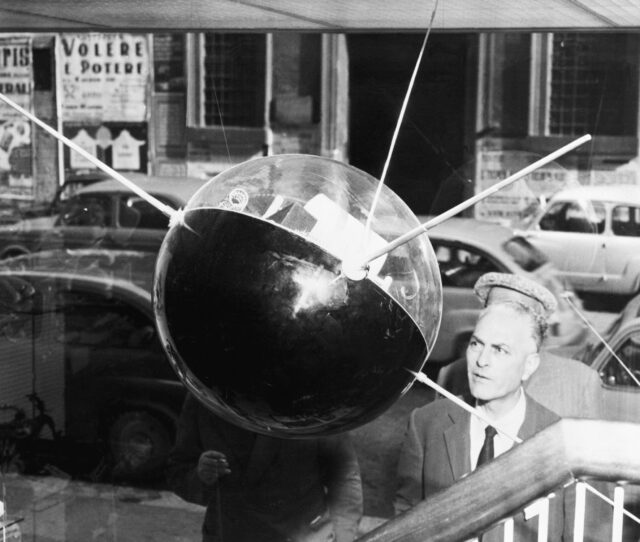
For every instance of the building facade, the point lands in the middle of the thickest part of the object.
(483, 106)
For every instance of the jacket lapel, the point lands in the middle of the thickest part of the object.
(536, 418)
(457, 440)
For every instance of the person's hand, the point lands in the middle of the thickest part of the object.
(211, 466)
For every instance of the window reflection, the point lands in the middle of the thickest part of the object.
(614, 374)
(462, 267)
(87, 211)
(574, 217)
(625, 220)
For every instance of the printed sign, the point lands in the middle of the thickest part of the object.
(513, 204)
(87, 143)
(16, 150)
(104, 76)
(126, 153)
(121, 145)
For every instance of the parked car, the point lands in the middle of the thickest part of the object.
(84, 343)
(620, 373)
(72, 184)
(104, 214)
(592, 236)
(466, 249)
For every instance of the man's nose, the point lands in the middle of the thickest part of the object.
(484, 357)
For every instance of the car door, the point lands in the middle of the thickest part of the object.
(140, 226)
(571, 234)
(621, 249)
(620, 374)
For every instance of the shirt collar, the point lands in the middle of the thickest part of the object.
(509, 422)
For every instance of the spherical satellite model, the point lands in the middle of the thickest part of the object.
(261, 316)
(285, 303)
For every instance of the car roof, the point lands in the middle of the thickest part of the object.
(181, 188)
(614, 193)
(125, 270)
(480, 233)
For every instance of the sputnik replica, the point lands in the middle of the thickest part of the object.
(284, 304)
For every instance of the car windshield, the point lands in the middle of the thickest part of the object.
(524, 253)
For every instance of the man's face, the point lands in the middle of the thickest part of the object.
(501, 354)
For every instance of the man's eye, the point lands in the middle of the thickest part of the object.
(500, 350)
(473, 344)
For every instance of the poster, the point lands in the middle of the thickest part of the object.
(121, 145)
(104, 77)
(516, 203)
(16, 149)
(87, 143)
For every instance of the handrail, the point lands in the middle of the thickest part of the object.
(569, 449)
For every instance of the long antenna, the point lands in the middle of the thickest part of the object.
(166, 209)
(403, 109)
(424, 379)
(468, 203)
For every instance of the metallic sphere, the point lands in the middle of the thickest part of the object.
(257, 317)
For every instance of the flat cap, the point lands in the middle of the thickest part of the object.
(517, 283)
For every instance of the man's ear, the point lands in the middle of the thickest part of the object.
(531, 363)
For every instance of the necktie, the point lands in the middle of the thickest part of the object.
(486, 452)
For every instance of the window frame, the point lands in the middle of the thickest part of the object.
(633, 218)
(540, 86)
(195, 74)
(221, 146)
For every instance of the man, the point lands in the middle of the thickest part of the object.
(567, 387)
(263, 489)
(444, 442)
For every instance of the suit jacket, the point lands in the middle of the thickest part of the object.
(565, 386)
(435, 454)
(278, 489)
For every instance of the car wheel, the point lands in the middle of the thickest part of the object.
(139, 443)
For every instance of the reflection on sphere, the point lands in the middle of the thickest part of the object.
(256, 317)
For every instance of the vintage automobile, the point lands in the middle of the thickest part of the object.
(617, 361)
(466, 249)
(82, 344)
(592, 236)
(104, 214)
